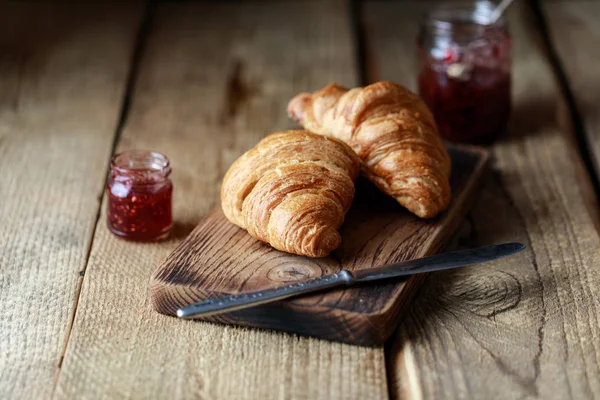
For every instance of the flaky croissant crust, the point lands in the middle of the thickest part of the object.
(292, 191)
(393, 133)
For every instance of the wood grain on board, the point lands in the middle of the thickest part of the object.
(219, 259)
(214, 78)
(63, 72)
(525, 326)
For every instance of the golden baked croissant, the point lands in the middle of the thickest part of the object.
(393, 133)
(292, 190)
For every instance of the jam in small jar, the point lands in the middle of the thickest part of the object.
(465, 76)
(140, 196)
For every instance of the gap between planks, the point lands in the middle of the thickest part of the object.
(359, 36)
(367, 69)
(365, 66)
(577, 125)
(143, 31)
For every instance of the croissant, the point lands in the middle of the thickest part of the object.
(394, 134)
(292, 190)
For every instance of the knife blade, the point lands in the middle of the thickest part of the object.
(344, 277)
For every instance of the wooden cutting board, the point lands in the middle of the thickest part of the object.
(218, 258)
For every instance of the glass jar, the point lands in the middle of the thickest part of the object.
(140, 196)
(464, 71)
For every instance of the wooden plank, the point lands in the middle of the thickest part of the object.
(574, 32)
(215, 77)
(63, 72)
(219, 259)
(525, 326)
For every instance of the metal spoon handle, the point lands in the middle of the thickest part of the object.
(499, 10)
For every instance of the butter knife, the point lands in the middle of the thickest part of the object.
(438, 262)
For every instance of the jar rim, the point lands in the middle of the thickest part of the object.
(141, 165)
(446, 15)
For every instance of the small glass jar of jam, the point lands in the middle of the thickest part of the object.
(140, 196)
(464, 71)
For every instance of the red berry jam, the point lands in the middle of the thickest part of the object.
(140, 196)
(464, 73)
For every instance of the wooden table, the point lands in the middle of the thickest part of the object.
(202, 82)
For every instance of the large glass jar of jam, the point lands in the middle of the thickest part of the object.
(464, 71)
(140, 196)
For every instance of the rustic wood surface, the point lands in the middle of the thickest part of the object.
(63, 71)
(573, 30)
(219, 258)
(525, 326)
(213, 80)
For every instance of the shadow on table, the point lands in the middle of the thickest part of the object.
(533, 117)
(182, 229)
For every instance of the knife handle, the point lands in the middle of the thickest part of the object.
(240, 301)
